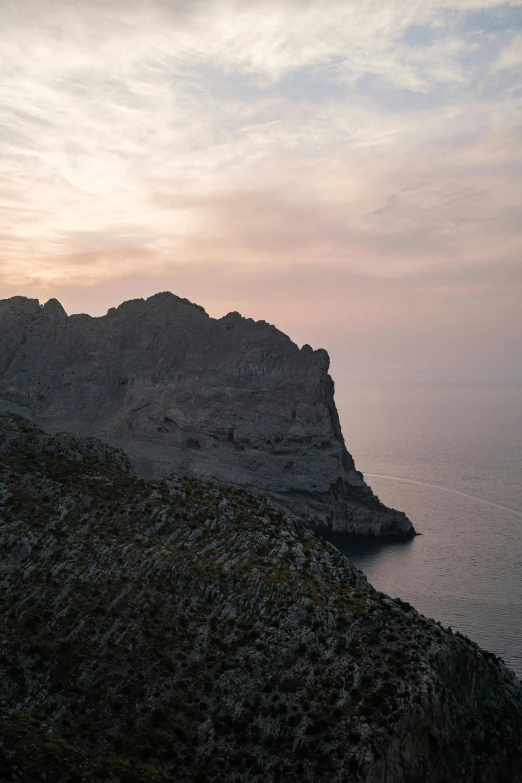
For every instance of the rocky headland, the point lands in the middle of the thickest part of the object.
(231, 399)
(176, 630)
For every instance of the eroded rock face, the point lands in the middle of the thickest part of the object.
(231, 399)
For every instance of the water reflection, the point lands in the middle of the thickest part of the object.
(366, 551)
(464, 570)
(450, 458)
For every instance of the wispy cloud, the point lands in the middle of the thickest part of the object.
(510, 55)
(145, 137)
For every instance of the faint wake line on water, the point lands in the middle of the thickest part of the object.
(447, 489)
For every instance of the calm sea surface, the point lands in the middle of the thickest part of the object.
(451, 458)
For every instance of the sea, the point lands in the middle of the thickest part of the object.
(450, 456)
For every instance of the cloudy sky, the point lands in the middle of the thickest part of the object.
(347, 169)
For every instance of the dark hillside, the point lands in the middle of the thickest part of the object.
(199, 631)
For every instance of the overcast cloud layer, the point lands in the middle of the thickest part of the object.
(349, 170)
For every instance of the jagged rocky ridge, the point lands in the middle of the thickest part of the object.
(203, 633)
(231, 399)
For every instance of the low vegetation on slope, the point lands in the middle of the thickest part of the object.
(193, 629)
(30, 754)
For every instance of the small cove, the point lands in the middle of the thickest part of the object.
(450, 458)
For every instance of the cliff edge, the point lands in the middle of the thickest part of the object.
(230, 399)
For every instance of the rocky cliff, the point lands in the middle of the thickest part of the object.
(230, 399)
(177, 630)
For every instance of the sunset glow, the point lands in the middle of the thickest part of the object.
(348, 170)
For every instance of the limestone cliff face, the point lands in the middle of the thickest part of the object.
(230, 399)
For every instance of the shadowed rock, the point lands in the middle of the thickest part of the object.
(230, 399)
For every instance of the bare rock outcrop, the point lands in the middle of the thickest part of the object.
(230, 399)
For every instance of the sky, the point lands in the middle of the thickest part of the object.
(349, 170)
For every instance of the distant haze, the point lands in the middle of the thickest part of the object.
(349, 170)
